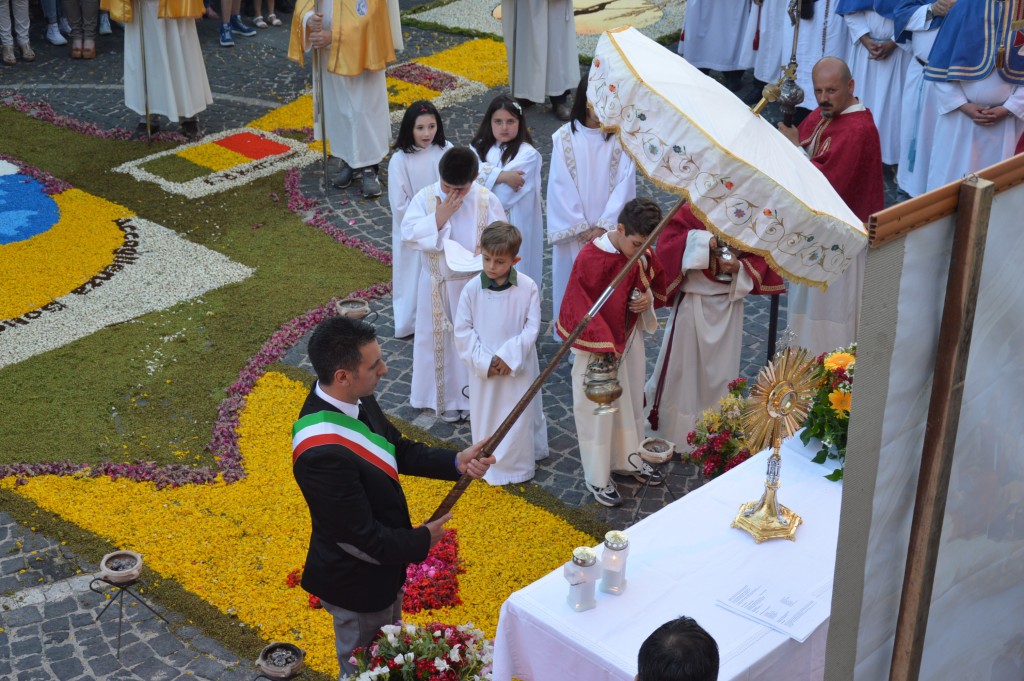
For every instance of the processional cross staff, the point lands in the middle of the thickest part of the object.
(145, 75)
(318, 100)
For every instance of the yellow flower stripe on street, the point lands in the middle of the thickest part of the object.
(294, 115)
(234, 545)
(402, 93)
(213, 156)
(481, 59)
(53, 263)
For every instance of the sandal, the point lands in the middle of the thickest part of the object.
(274, 21)
(259, 23)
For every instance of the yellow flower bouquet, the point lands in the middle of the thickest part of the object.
(829, 417)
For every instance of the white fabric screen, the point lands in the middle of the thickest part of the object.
(976, 623)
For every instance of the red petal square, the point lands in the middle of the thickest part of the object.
(253, 146)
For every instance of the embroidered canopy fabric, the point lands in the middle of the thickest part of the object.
(743, 178)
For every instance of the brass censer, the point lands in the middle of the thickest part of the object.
(776, 409)
(601, 383)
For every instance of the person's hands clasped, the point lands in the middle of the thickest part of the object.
(984, 115)
(445, 209)
(318, 37)
(469, 464)
(589, 235)
(940, 8)
(498, 367)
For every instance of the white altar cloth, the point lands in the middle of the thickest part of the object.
(681, 560)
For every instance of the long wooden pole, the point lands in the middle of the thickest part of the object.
(943, 420)
(531, 392)
(319, 105)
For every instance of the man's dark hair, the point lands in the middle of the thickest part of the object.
(679, 650)
(337, 343)
(640, 216)
(458, 167)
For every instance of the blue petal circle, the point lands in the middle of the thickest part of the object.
(25, 209)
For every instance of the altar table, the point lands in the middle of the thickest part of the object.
(681, 560)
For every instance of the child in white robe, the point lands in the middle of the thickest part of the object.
(510, 167)
(589, 181)
(413, 166)
(456, 209)
(496, 330)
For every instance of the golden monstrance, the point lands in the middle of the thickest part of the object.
(776, 409)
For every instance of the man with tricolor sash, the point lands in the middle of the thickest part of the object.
(346, 459)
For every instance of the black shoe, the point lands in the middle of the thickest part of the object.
(607, 495)
(525, 103)
(560, 107)
(154, 128)
(646, 473)
(345, 175)
(190, 128)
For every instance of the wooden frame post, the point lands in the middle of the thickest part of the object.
(975, 206)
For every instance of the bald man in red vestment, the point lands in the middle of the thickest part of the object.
(841, 140)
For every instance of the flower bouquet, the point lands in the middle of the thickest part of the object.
(717, 438)
(829, 416)
(435, 651)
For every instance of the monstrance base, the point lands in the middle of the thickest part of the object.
(762, 525)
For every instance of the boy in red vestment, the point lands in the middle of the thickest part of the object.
(606, 441)
(700, 352)
(841, 139)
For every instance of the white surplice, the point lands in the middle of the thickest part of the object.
(917, 119)
(879, 84)
(823, 321)
(175, 76)
(607, 440)
(356, 112)
(522, 208)
(966, 146)
(438, 376)
(542, 43)
(713, 35)
(704, 341)
(589, 181)
(824, 35)
(407, 174)
(505, 324)
(773, 50)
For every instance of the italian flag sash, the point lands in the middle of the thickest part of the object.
(335, 428)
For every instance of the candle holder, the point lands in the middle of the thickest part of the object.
(581, 572)
(613, 562)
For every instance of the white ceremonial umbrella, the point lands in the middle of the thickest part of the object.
(750, 185)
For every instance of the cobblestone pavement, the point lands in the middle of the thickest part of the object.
(49, 627)
(47, 612)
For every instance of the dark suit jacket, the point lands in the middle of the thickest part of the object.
(362, 537)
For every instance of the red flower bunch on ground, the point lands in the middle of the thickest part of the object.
(717, 438)
(434, 583)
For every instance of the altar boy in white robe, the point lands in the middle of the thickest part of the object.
(455, 209)
(357, 41)
(496, 330)
(174, 83)
(590, 180)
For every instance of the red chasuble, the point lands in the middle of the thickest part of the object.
(672, 243)
(593, 270)
(846, 149)
(1020, 146)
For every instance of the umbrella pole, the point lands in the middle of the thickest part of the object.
(773, 327)
(494, 440)
(318, 103)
